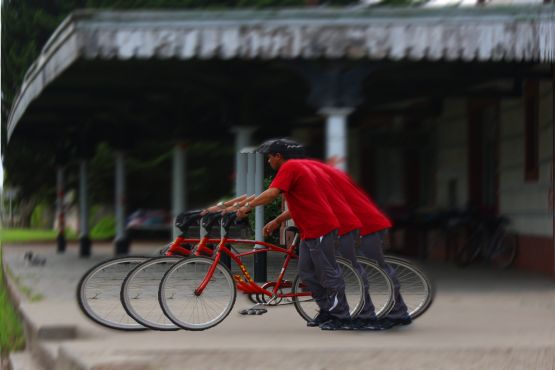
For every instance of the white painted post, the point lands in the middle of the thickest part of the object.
(336, 135)
(260, 259)
(258, 189)
(241, 174)
(84, 240)
(243, 137)
(178, 184)
(251, 168)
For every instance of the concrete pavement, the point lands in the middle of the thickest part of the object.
(481, 319)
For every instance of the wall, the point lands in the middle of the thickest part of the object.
(528, 203)
(452, 155)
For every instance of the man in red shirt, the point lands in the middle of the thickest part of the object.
(372, 235)
(318, 227)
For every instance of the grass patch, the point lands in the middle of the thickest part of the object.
(11, 328)
(102, 232)
(25, 290)
(26, 235)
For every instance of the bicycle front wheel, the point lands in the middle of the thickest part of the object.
(139, 293)
(416, 288)
(99, 290)
(191, 311)
(308, 309)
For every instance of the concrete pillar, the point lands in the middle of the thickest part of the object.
(84, 238)
(179, 184)
(121, 241)
(243, 139)
(251, 170)
(241, 174)
(260, 259)
(336, 135)
(60, 194)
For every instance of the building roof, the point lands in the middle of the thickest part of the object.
(456, 34)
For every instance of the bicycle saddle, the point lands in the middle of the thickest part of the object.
(230, 219)
(188, 218)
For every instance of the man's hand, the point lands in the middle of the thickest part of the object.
(270, 227)
(243, 212)
(212, 209)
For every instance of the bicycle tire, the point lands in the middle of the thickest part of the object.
(380, 285)
(416, 288)
(182, 279)
(96, 293)
(470, 250)
(308, 309)
(139, 293)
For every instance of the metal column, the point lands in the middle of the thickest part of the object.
(260, 259)
(121, 242)
(251, 169)
(178, 184)
(241, 174)
(60, 189)
(243, 136)
(336, 135)
(84, 239)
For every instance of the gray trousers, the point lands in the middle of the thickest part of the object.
(371, 246)
(347, 251)
(319, 270)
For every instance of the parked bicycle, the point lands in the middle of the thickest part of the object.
(487, 239)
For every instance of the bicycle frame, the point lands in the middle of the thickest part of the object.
(248, 285)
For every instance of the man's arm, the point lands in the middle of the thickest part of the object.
(264, 198)
(239, 204)
(223, 205)
(271, 226)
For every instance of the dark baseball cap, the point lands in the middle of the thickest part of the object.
(288, 148)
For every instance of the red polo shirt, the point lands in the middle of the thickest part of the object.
(363, 207)
(307, 203)
(347, 219)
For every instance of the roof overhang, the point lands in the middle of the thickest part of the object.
(493, 35)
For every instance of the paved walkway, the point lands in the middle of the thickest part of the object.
(482, 319)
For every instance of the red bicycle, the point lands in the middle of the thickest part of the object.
(139, 307)
(198, 293)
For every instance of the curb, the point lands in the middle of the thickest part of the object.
(36, 336)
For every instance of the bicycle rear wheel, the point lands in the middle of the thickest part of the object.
(380, 287)
(99, 290)
(471, 249)
(196, 312)
(139, 293)
(308, 309)
(417, 289)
